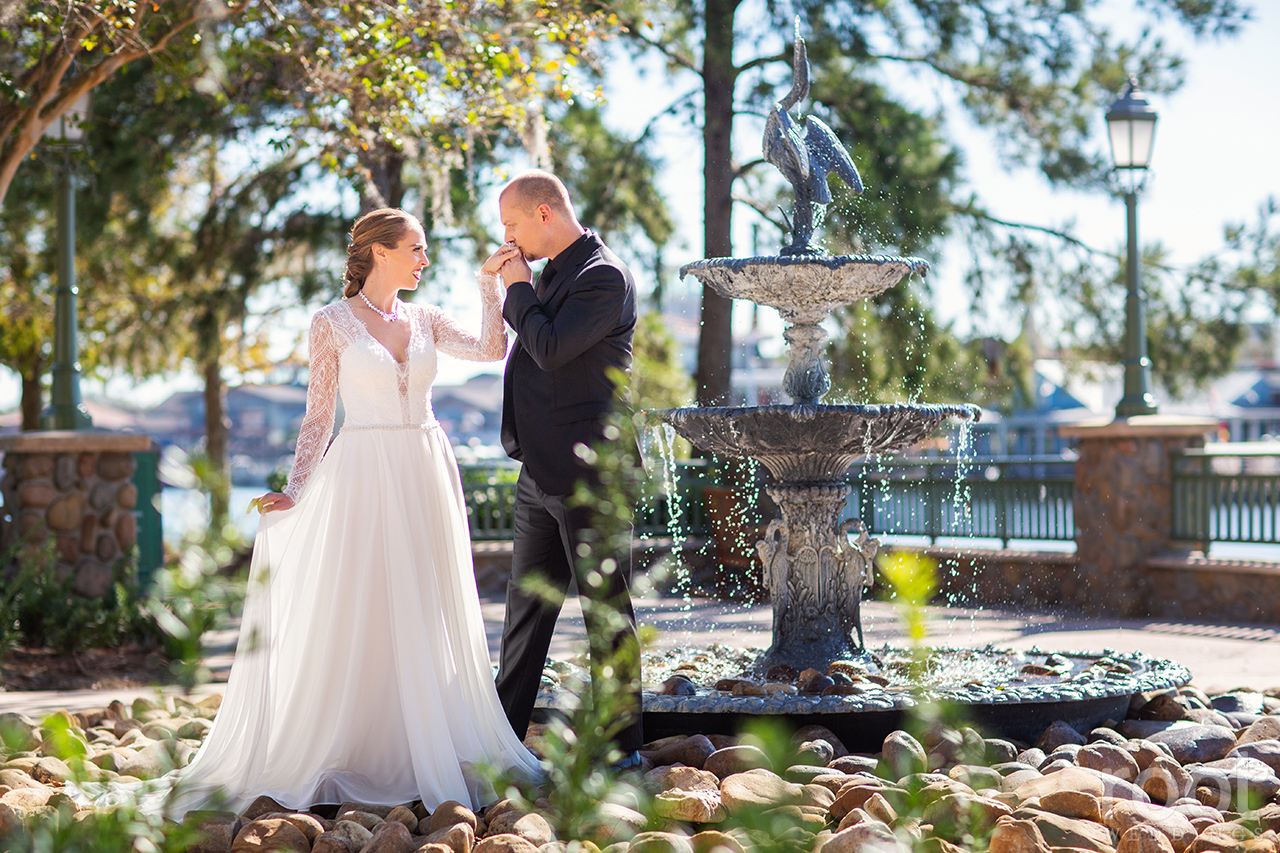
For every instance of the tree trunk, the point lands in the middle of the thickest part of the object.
(715, 344)
(387, 174)
(217, 430)
(32, 400)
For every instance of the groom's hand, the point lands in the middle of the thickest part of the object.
(515, 269)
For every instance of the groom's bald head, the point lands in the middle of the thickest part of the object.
(537, 215)
(530, 189)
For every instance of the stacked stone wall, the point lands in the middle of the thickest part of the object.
(77, 494)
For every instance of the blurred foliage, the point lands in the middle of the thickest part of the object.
(40, 608)
(658, 378)
(193, 593)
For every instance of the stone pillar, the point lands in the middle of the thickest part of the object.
(1124, 506)
(75, 488)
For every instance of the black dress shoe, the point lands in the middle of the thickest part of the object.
(630, 761)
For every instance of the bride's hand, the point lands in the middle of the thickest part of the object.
(504, 253)
(271, 502)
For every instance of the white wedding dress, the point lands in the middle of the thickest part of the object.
(362, 671)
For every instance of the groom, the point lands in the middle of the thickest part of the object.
(573, 327)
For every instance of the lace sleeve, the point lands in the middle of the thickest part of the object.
(322, 402)
(456, 341)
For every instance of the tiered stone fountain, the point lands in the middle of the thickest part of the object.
(816, 565)
(815, 574)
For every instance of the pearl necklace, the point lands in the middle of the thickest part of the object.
(389, 316)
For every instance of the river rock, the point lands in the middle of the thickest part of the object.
(1165, 781)
(505, 843)
(965, 812)
(680, 778)
(1239, 702)
(863, 838)
(613, 822)
(502, 822)
(1057, 734)
(758, 788)
(1110, 759)
(714, 841)
(1266, 751)
(1073, 804)
(902, 755)
(660, 842)
(1166, 707)
(735, 759)
(458, 837)
(1144, 839)
(1173, 824)
(353, 832)
(1113, 786)
(534, 828)
(1248, 777)
(817, 732)
(1017, 778)
(976, 777)
(697, 806)
(1017, 836)
(691, 752)
(272, 834)
(806, 773)
(815, 752)
(1061, 831)
(1067, 779)
(1265, 728)
(448, 813)
(1196, 743)
(1221, 838)
(328, 842)
(853, 795)
(852, 764)
(391, 837)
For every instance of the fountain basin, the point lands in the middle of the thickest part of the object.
(1088, 690)
(811, 444)
(804, 288)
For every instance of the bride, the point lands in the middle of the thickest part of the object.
(362, 673)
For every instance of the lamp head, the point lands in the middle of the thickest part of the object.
(1131, 125)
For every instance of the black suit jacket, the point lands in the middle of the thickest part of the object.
(556, 388)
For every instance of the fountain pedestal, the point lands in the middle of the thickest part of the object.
(816, 576)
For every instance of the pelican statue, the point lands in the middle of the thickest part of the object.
(805, 157)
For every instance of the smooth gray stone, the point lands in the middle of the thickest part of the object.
(1195, 743)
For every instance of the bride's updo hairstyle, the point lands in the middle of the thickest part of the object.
(385, 226)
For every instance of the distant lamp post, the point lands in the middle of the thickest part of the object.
(1131, 124)
(66, 411)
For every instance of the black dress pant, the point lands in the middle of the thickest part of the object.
(547, 535)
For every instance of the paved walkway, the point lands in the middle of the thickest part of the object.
(1220, 657)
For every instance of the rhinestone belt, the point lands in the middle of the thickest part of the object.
(390, 427)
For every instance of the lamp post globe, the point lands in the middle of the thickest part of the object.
(1131, 126)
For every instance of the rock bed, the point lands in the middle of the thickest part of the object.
(711, 680)
(1185, 773)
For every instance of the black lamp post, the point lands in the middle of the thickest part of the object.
(66, 411)
(1131, 124)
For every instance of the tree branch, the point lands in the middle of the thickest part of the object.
(758, 61)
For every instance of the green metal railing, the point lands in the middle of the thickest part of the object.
(490, 495)
(1004, 498)
(1001, 498)
(1227, 493)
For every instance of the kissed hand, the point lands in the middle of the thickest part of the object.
(503, 254)
(271, 502)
